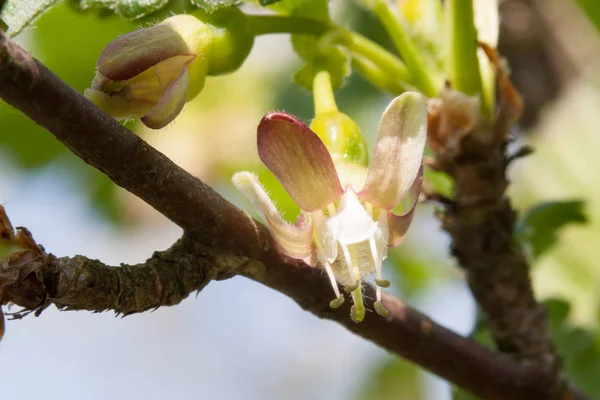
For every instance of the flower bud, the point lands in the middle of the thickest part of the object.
(151, 73)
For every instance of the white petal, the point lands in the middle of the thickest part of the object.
(352, 224)
(295, 241)
(398, 152)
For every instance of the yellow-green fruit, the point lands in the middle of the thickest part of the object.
(342, 137)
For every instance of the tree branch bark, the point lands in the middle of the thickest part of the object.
(220, 241)
(481, 222)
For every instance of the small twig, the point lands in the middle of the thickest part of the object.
(523, 151)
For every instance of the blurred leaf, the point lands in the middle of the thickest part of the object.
(461, 394)
(441, 182)
(414, 273)
(592, 9)
(317, 53)
(539, 226)
(579, 347)
(17, 14)
(333, 59)
(315, 9)
(395, 379)
(57, 33)
(268, 2)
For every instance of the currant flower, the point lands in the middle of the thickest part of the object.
(346, 223)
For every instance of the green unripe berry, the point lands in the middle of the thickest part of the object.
(232, 39)
(342, 137)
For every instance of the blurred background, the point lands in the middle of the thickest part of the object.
(237, 339)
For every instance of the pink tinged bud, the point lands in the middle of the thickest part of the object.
(398, 151)
(299, 160)
(170, 104)
(150, 73)
(135, 52)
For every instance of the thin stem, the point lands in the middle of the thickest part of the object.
(367, 49)
(379, 78)
(423, 75)
(268, 24)
(462, 63)
(323, 93)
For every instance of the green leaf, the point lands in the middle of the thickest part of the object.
(461, 394)
(441, 181)
(130, 9)
(268, 2)
(17, 14)
(538, 229)
(579, 347)
(211, 6)
(592, 9)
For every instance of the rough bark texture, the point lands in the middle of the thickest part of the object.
(221, 241)
(481, 222)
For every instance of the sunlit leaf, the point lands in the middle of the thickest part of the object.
(17, 14)
(130, 9)
(538, 229)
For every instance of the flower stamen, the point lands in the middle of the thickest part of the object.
(353, 271)
(339, 300)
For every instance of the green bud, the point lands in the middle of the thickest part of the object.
(151, 73)
(342, 137)
(233, 39)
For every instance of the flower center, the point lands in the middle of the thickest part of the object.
(351, 245)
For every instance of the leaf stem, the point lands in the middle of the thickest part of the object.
(270, 24)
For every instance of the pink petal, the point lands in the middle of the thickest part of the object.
(398, 224)
(170, 104)
(398, 152)
(299, 159)
(135, 52)
(295, 241)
